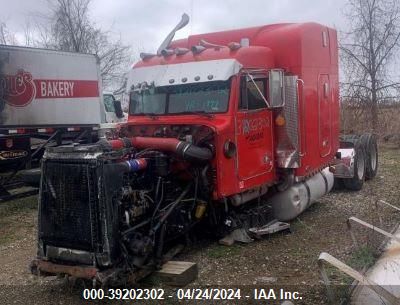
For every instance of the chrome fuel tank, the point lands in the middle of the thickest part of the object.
(289, 204)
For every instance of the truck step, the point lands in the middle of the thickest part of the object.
(270, 228)
(178, 273)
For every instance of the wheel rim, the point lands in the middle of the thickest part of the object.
(360, 166)
(373, 158)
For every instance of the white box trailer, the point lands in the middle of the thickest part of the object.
(50, 95)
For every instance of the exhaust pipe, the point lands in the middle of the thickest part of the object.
(167, 41)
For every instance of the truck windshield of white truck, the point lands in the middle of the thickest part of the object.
(207, 97)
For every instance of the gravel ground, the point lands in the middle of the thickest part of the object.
(284, 259)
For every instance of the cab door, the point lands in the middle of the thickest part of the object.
(254, 134)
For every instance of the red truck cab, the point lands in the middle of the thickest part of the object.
(275, 95)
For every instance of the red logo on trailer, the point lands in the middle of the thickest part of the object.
(19, 89)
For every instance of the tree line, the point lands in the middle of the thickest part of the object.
(369, 53)
(69, 27)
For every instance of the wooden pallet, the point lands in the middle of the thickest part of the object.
(178, 273)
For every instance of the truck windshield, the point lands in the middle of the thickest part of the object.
(208, 97)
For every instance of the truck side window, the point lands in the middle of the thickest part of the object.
(250, 98)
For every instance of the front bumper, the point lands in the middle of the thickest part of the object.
(109, 276)
(46, 268)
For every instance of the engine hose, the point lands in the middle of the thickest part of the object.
(132, 165)
(158, 202)
(161, 242)
(204, 175)
(186, 150)
(171, 208)
(134, 228)
(192, 152)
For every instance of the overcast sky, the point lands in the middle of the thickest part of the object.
(144, 24)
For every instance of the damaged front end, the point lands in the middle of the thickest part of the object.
(110, 215)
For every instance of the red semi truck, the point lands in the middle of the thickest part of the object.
(228, 134)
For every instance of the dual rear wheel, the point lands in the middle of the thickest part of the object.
(365, 160)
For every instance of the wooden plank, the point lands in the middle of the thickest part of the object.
(178, 273)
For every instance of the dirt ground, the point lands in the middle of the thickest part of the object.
(285, 259)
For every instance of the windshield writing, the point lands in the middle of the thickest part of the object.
(209, 97)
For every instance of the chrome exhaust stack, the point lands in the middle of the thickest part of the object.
(167, 41)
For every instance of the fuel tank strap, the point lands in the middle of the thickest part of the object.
(308, 193)
(326, 181)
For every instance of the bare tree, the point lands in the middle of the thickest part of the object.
(70, 29)
(6, 37)
(2, 88)
(367, 51)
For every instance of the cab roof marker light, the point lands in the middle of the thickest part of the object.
(181, 51)
(198, 49)
(234, 45)
(145, 56)
(167, 52)
(245, 42)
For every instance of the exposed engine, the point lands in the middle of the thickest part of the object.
(124, 207)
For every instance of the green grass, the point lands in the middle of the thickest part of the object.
(363, 257)
(220, 251)
(10, 218)
(6, 238)
(151, 281)
(14, 207)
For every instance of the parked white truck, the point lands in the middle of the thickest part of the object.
(47, 97)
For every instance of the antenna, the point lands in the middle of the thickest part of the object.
(165, 44)
(207, 44)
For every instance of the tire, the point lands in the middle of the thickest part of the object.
(356, 183)
(371, 155)
(338, 184)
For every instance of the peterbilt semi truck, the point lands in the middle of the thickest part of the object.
(227, 133)
(49, 96)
